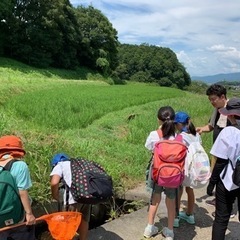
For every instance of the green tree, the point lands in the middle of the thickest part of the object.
(98, 46)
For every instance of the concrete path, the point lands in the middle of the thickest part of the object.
(131, 226)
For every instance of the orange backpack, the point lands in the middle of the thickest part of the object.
(168, 162)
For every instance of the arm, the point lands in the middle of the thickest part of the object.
(55, 179)
(206, 128)
(30, 219)
(215, 177)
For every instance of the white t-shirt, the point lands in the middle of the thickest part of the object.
(151, 140)
(63, 170)
(227, 146)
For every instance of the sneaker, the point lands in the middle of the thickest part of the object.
(188, 218)
(211, 202)
(150, 231)
(167, 233)
(176, 222)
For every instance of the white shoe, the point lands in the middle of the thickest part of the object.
(150, 231)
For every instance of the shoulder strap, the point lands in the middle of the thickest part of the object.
(225, 168)
(179, 138)
(8, 166)
(159, 132)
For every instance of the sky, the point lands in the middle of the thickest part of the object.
(205, 34)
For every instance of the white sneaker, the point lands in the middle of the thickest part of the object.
(150, 231)
(167, 233)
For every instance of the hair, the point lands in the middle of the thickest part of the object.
(191, 128)
(166, 115)
(217, 90)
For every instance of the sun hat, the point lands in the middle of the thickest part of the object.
(181, 117)
(232, 108)
(59, 157)
(11, 145)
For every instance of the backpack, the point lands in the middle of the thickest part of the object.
(11, 208)
(168, 162)
(90, 182)
(236, 171)
(197, 165)
(148, 172)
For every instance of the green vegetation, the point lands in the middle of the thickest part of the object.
(55, 34)
(105, 123)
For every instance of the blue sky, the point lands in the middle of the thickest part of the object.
(204, 34)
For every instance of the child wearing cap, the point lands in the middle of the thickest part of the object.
(188, 131)
(61, 169)
(11, 147)
(226, 148)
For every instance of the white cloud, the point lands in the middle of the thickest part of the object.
(204, 34)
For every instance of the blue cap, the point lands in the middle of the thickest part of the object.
(181, 117)
(59, 157)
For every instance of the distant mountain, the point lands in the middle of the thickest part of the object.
(229, 77)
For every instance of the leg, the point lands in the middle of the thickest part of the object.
(191, 200)
(85, 209)
(170, 203)
(224, 202)
(83, 230)
(156, 199)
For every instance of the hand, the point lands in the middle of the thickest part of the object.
(210, 188)
(199, 130)
(30, 219)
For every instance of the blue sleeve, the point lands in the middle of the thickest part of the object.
(21, 174)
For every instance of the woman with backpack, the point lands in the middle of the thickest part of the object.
(165, 117)
(188, 131)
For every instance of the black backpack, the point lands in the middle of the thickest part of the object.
(90, 182)
(236, 171)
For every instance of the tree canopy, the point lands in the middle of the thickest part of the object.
(53, 33)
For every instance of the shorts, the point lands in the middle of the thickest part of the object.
(170, 192)
(85, 209)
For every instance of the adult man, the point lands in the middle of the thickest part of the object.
(226, 149)
(217, 95)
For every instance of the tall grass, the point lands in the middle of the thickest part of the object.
(91, 120)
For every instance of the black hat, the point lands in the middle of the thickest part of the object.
(232, 108)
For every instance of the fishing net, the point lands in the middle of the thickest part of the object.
(62, 225)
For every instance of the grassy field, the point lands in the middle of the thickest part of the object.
(53, 111)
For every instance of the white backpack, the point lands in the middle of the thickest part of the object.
(197, 165)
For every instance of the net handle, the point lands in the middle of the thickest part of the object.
(21, 224)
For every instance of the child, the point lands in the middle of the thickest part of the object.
(165, 117)
(11, 147)
(186, 128)
(62, 170)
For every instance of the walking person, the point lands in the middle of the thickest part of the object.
(165, 117)
(61, 174)
(226, 149)
(188, 131)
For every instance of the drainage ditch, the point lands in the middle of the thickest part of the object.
(100, 214)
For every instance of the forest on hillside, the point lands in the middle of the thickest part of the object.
(45, 33)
